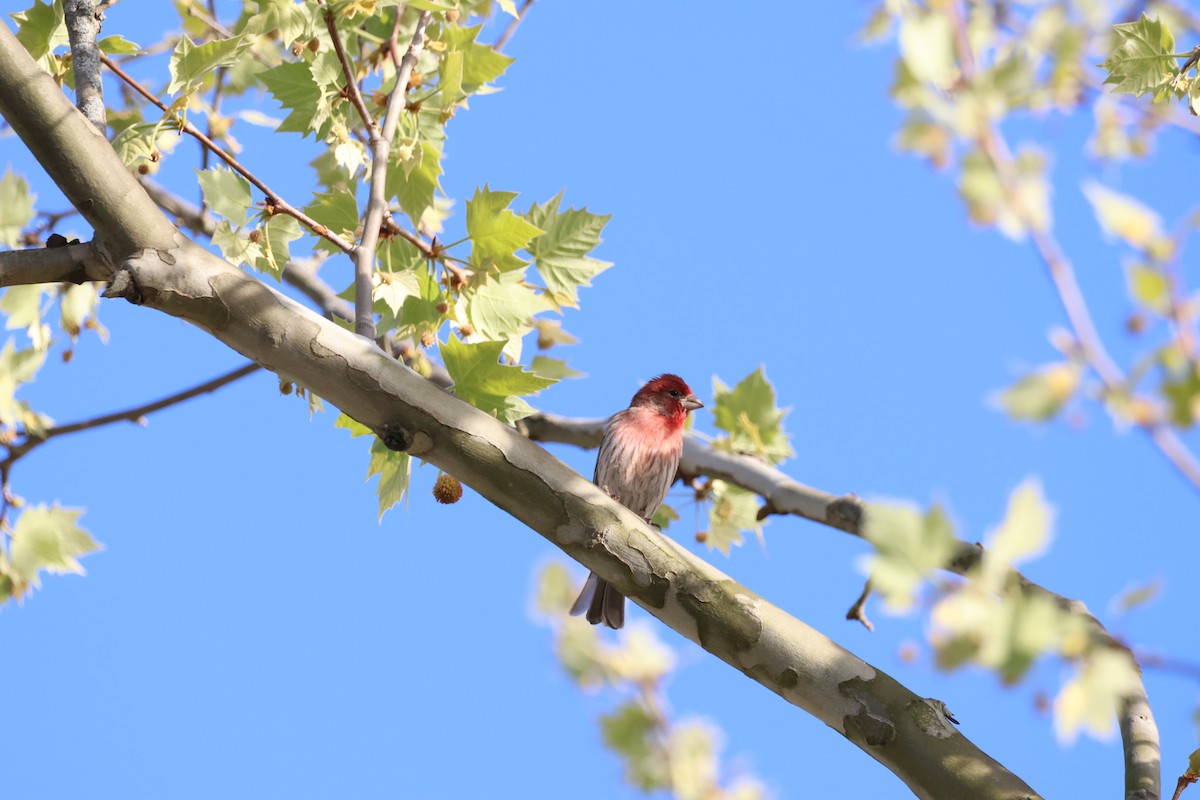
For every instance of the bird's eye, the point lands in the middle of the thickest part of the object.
(676, 393)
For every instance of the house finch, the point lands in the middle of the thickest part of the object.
(635, 466)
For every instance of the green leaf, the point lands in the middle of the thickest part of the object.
(561, 252)
(692, 755)
(503, 308)
(908, 546)
(481, 380)
(75, 303)
(227, 193)
(733, 510)
(550, 333)
(16, 367)
(1183, 397)
(23, 307)
(394, 470)
(292, 85)
(555, 590)
(1039, 395)
(1024, 531)
(118, 46)
(1123, 217)
(191, 63)
(1088, 702)
(496, 232)
(1193, 768)
(47, 538)
(235, 246)
(1150, 288)
(481, 64)
(414, 180)
(629, 731)
(552, 368)
(355, 427)
(748, 414)
(136, 143)
(1142, 61)
(41, 29)
(278, 232)
(16, 207)
(394, 288)
(337, 210)
(927, 46)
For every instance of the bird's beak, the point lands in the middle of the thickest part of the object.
(690, 403)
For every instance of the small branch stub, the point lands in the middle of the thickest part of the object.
(123, 285)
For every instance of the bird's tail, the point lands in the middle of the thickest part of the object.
(603, 604)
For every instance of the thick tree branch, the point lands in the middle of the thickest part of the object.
(75, 263)
(782, 495)
(161, 269)
(83, 26)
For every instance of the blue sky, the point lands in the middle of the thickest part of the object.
(251, 630)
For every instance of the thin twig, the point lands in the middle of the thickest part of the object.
(83, 24)
(275, 204)
(381, 146)
(352, 90)
(32, 440)
(513, 24)
(858, 611)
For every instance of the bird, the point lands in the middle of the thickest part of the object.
(636, 465)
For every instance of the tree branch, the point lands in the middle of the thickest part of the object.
(162, 269)
(32, 440)
(83, 25)
(75, 263)
(782, 495)
(275, 203)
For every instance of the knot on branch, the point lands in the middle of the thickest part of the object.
(124, 285)
(845, 514)
(398, 438)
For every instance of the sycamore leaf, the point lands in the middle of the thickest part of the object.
(337, 210)
(1123, 217)
(1142, 60)
(1088, 702)
(235, 245)
(496, 232)
(22, 306)
(629, 732)
(394, 469)
(1024, 531)
(503, 307)
(561, 252)
(117, 46)
(481, 380)
(293, 86)
(908, 546)
(191, 63)
(226, 192)
(927, 46)
(481, 63)
(41, 29)
(508, 7)
(555, 590)
(277, 233)
(355, 427)
(552, 368)
(748, 414)
(692, 760)
(16, 207)
(1150, 288)
(47, 538)
(550, 333)
(1039, 395)
(414, 180)
(1183, 396)
(733, 510)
